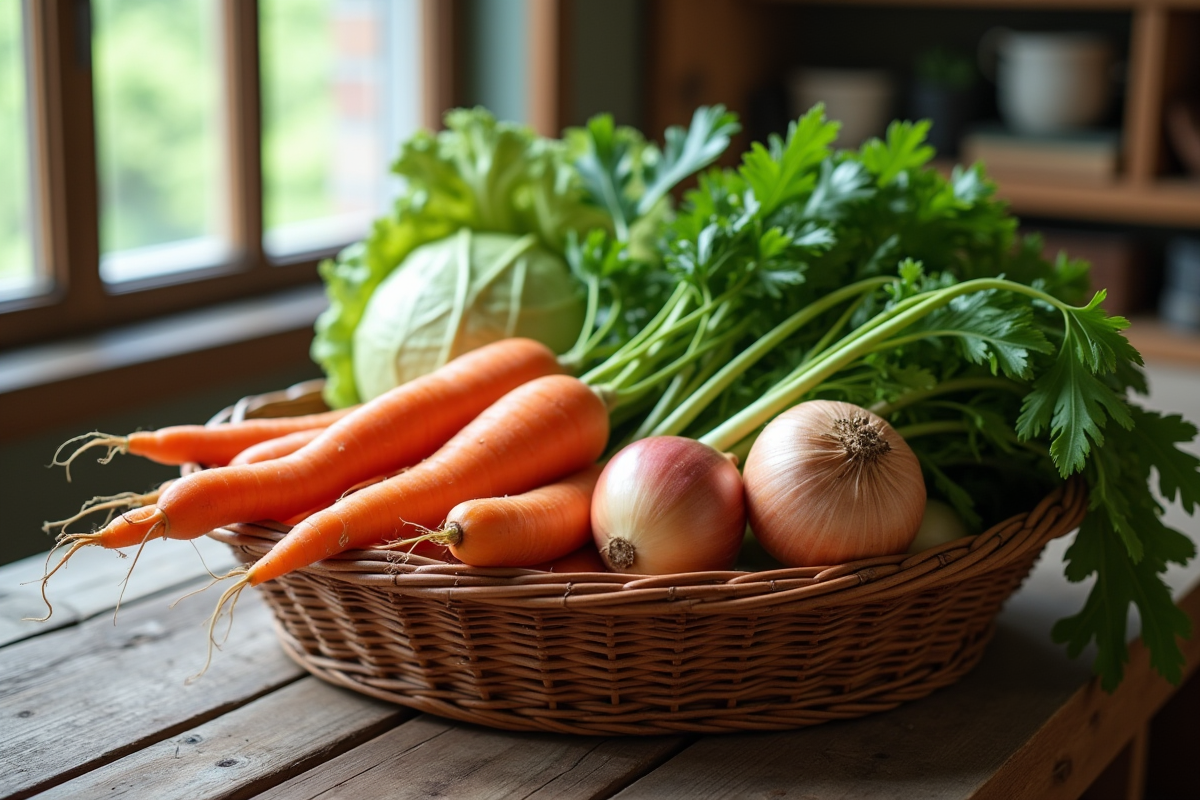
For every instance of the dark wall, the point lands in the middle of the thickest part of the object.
(31, 492)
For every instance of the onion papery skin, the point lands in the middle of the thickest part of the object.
(810, 504)
(679, 504)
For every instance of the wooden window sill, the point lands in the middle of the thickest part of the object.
(53, 384)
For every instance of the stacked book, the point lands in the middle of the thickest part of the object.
(1088, 156)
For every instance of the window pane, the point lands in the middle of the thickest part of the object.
(340, 89)
(18, 271)
(160, 142)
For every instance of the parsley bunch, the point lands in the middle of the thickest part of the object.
(867, 276)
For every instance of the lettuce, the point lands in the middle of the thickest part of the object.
(478, 174)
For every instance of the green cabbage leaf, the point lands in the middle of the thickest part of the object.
(478, 174)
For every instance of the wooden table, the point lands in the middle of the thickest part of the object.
(94, 709)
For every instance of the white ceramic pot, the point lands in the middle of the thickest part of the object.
(861, 99)
(1050, 82)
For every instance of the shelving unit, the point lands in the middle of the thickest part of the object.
(710, 51)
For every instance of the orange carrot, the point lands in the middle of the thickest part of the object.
(535, 434)
(275, 448)
(211, 445)
(396, 429)
(524, 529)
(585, 559)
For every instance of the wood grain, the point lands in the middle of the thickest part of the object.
(1067, 753)
(547, 45)
(81, 697)
(430, 757)
(1144, 105)
(1158, 342)
(932, 748)
(90, 583)
(243, 752)
(440, 44)
(993, 5)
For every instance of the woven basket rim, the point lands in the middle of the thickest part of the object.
(791, 588)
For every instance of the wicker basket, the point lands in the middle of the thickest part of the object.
(599, 653)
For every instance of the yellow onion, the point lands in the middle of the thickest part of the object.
(940, 524)
(829, 482)
(668, 504)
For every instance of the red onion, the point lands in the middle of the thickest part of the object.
(829, 482)
(669, 504)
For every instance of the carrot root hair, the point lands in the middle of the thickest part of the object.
(115, 444)
(110, 503)
(74, 542)
(129, 572)
(448, 536)
(230, 597)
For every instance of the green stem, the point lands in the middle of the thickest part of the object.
(649, 382)
(693, 320)
(862, 341)
(691, 408)
(835, 329)
(618, 360)
(682, 383)
(946, 387)
(578, 350)
(931, 428)
(614, 314)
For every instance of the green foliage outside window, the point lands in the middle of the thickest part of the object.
(16, 255)
(156, 85)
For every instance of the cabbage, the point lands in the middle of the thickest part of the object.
(478, 174)
(504, 184)
(459, 293)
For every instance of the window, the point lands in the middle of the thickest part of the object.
(340, 83)
(18, 273)
(173, 154)
(156, 72)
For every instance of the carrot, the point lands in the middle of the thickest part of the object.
(275, 448)
(211, 445)
(521, 530)
(585, 559)
(396, 429)
(535, 434)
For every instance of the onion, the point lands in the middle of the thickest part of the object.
(830, 482)
(669, 504)
(940, 524)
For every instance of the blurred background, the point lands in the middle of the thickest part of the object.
(173, 171)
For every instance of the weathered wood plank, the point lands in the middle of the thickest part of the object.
(1067, 753)
(79, 697)
(942, 746)
(948, 745)
(431, 757)
(90, 583)
(244, 751)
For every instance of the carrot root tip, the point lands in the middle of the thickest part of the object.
(109, 503)
(115, 444)
(451, 534)
(230, 597)
(75, 541)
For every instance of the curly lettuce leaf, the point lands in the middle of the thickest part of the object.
(479, 173)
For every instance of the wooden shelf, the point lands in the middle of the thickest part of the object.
(999, 5)
(1163, 344)
(1168, 201)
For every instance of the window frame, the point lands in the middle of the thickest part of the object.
(66, 196)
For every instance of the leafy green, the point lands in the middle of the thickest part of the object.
(628, 176)
(479, 174)
(867, 276)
